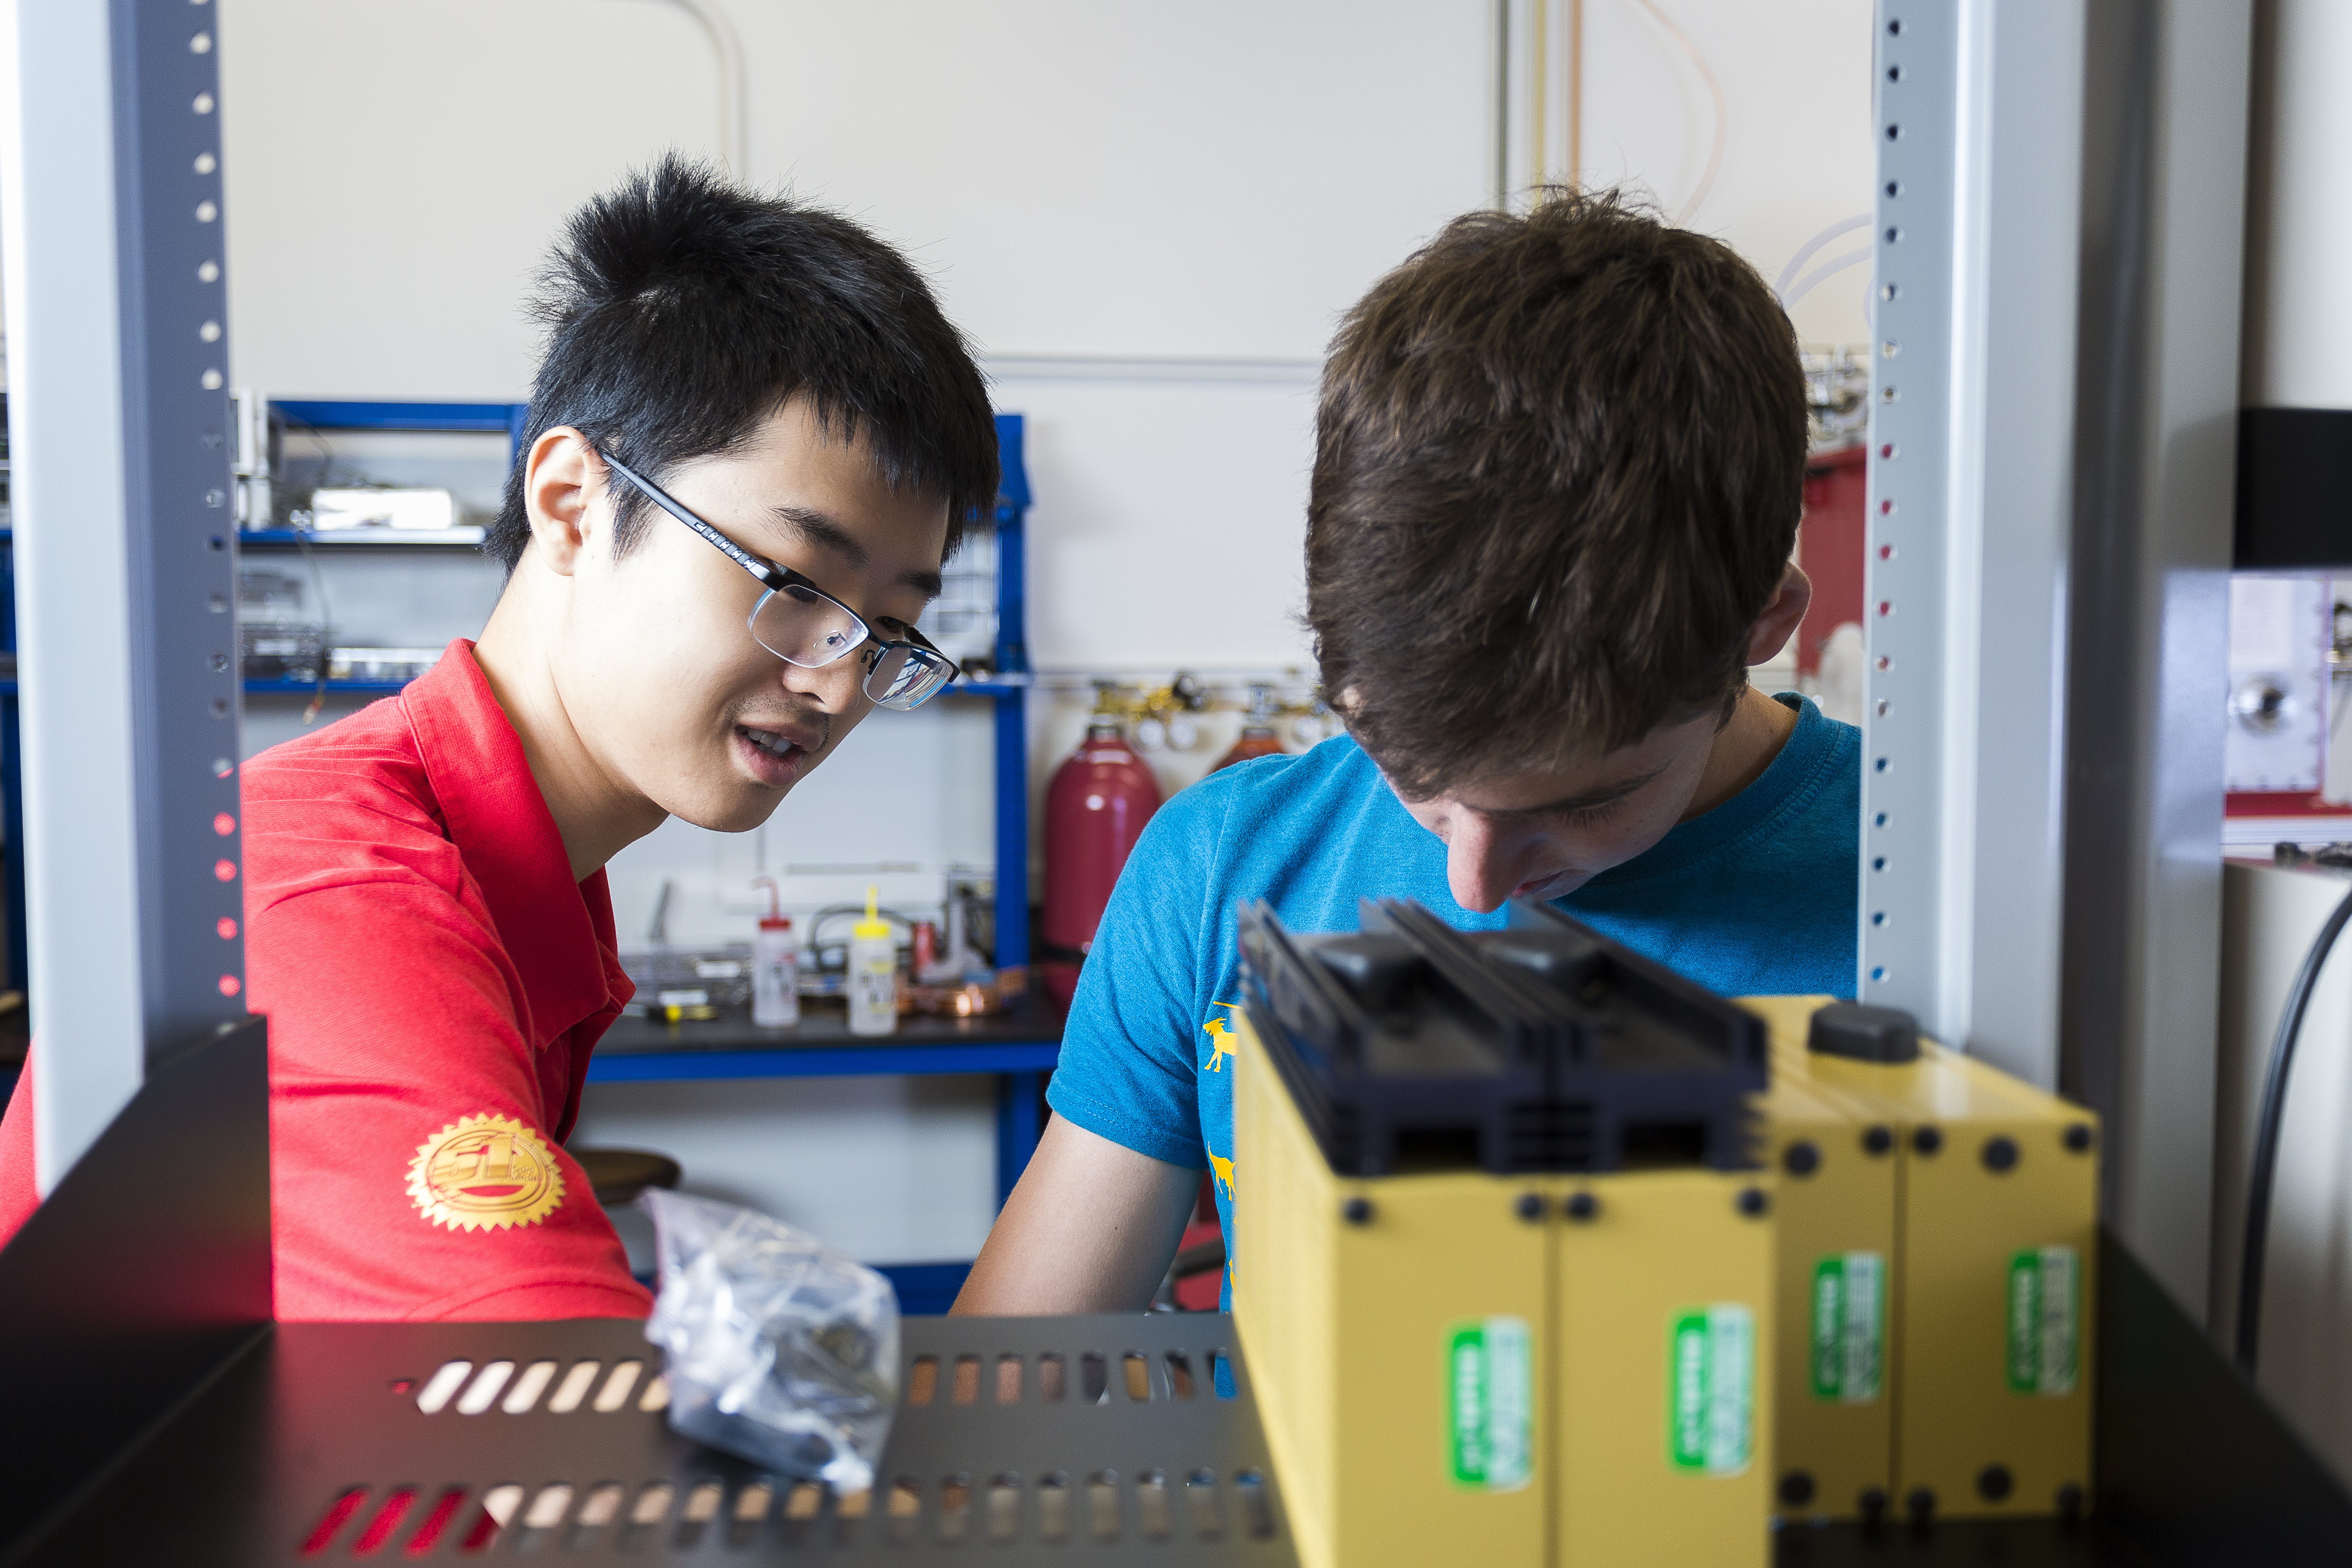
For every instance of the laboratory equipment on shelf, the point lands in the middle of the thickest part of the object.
(676, 984)
(277, 639)
(393, 664)
(873, 978)
(257, 458)
(1837, 394)
(1095, 811)
(388, 508)
(775, 966)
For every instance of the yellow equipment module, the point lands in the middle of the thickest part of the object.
(1664, 1402)
(1834, 1432)
(1534, 1366)
(1400, 1357)
(1997, 1239)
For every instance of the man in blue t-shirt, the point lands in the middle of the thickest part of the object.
(1558, 468)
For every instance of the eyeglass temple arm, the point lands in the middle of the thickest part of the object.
(914, 637)
(766, 573)
(773, 577)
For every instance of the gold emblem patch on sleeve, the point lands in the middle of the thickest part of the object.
(485, 1173)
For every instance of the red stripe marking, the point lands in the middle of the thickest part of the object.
(485, 1530)
(338, 1513)
(428, 1535)
(386, 1520)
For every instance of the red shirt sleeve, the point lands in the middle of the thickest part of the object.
(413, 1173)
(18, 1196)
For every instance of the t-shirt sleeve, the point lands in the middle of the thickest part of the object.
(18, 1196)
(1126, 1071)
(412, 1173)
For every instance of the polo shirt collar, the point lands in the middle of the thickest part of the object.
(508, 839)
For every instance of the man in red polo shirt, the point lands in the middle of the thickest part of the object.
(752, 442)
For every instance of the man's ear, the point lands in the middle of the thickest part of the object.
(562, 480)
(1778, 624)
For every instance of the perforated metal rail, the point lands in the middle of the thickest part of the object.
(1100, 1439)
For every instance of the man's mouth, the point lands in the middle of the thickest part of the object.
(777, 755)
(1553, 885)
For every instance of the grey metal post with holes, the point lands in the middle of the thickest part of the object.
(146, 1269)
(125, 552)
(2058, 227)
(1978, 131)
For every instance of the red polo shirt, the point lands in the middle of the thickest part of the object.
(435, 980)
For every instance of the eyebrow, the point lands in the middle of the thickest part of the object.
(825, 533)
(1603, 795)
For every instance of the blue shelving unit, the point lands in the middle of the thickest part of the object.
(1020, 1068)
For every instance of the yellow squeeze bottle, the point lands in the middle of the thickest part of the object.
(873, 973)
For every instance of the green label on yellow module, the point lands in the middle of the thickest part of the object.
(1489, 1383)
(1849, 1326)
(1711, 1388)
(2045, 1308)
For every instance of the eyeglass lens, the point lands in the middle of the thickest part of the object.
(904, 676)
(806, 629)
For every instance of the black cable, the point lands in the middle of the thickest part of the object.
(2266, 1136)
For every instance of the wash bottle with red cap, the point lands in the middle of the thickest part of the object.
(775, 966)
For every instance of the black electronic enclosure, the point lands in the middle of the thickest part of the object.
(2295, 488)
(1410, 1046)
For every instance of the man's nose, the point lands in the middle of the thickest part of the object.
(832, 686)
(1481, 862)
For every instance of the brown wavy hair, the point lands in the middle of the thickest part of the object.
(1559, 460)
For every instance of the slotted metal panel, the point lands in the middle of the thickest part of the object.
(1112, 1437)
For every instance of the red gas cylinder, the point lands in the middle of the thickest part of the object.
(1257, 737)
(1255, 740)
(1095, 811)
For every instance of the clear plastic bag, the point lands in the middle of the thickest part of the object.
(780, 1351)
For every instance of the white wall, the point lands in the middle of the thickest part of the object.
(2298, 346)
(1798, 153)
(1147, 218)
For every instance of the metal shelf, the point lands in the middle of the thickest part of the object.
(1019, 1048)
(332, 414)
(821, 1061)
(306, 688)
(468, 537)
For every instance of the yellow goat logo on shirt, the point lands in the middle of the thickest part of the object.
(1221, 1041)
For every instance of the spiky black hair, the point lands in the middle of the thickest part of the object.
(682, 310)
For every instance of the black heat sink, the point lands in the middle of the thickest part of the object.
(1409, 1046)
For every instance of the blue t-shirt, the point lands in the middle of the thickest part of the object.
(1758, 896)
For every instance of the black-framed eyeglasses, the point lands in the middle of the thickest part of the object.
(802, 623)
